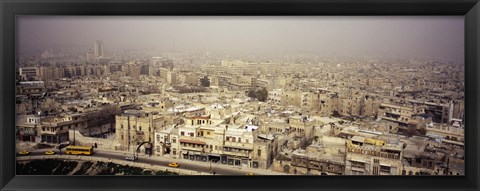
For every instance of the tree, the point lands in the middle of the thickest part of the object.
(410, 131)
(336, 114)
(259, 94)
(251, 93)
(262, 94)
(205, 82)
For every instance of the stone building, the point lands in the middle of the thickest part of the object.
(134, 128)
(325, 157)
(368, 156)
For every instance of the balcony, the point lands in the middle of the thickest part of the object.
(30, 132)
(245, 146)
(198, 149)
(236, 153)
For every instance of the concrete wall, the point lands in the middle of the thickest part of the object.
(120, 162)
(89, 141)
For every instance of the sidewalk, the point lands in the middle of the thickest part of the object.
(200, 163)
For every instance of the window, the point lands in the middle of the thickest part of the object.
(208, 133)
(140, 128)
(375, 170)
(239, 140)
(358, 164)
(192, 134)
(259, 152)
(158, 137)
(182, 133)
(385, 169)
(174, 151)
(174, 140)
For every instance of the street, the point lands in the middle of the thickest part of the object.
(219, 169)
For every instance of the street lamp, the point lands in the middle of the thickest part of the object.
(74, 141)
(210, 166)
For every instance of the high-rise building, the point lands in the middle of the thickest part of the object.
(90, 56)
(98, 48)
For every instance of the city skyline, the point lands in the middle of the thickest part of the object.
(427, 36)
(184, 109)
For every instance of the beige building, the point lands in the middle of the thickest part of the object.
(136, 127)
(51, 129)
(325, 157)
(303, 126)
(368, 156)
(402, 115)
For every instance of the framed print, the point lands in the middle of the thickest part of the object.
(267, 95)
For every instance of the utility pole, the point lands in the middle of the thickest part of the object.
(74, 141)
(210, 166)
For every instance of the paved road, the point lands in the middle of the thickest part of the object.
(219, 169)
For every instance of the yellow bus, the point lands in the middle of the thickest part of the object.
(78, 150)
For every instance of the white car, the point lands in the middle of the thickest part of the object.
(131, 158)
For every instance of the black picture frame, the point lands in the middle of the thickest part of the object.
(11, 8)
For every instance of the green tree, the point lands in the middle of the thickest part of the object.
(335, 113)
(410, 131)
(262, 94)
(259, 94)
(205, 82)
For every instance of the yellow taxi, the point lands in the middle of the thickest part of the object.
(24, 152)
(50, 152)
(174, 164)
(250, 174)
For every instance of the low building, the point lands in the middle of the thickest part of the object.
(368, 156)
(326, 156)
(134, 128)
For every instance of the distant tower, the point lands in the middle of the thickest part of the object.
(98, 48)
(90, 56)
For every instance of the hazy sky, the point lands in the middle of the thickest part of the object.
(439, 36)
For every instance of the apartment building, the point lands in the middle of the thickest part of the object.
(369, 156)
(325, 157)
(136, 127)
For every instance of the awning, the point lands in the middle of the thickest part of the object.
(192, 142)
(453, 142)
(194, 153)
(238, 147)
(357, 160)
(358, 139)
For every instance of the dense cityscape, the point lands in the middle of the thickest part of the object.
(205, 113)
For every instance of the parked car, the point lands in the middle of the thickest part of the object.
(50, 152)
(131, 158)
(24, 152)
